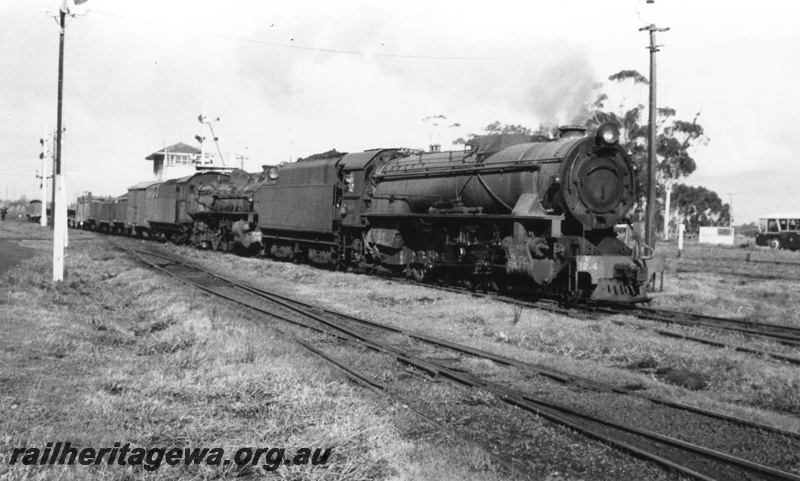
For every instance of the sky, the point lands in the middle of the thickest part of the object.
(290, 79)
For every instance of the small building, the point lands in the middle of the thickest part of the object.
(716, 235)
(181, 160)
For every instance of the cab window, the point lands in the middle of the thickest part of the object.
(350, 182)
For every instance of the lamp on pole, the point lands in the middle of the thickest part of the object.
(650, 220)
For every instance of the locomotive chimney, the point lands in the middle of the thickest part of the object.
(571, 131)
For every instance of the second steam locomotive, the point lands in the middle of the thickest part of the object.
(509, 210)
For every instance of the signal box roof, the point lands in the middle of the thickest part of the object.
(179, 148)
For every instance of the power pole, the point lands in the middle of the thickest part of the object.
(730, 209)
(650, 221)
(58, 230)
(57, 169)
(241, 158)
(59, 195)
(667, 199)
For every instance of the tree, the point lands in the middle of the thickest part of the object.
(675, 139)
(633, 135)
(697, 207)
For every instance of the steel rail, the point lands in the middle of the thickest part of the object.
(744, 260)
(537, 369)
(351, 374)
(761, 277)
(550, 411)
(504, 360)
(381, 388)
(434, 370)
(384, 390)
(653, 314)
(631, 311)
(741, 322)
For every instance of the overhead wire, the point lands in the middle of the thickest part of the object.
(298, 47)
(174, 27)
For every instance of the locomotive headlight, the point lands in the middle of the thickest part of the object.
(273, 173)
(608, 134)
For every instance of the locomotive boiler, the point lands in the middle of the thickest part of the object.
(508, 209)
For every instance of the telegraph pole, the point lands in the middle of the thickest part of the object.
(730, 209)
(650, 221)
(58, 219)
(667, 198)
(57, 170)
(59, 198)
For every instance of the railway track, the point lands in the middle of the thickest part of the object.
(667, 449)
(752, 269)
(788, 335)
(785, 335)
(733, 272)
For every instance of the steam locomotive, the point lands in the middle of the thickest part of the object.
(508, 210)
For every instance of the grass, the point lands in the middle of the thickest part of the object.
(763, 390)
(118, 354)
(764, 276)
